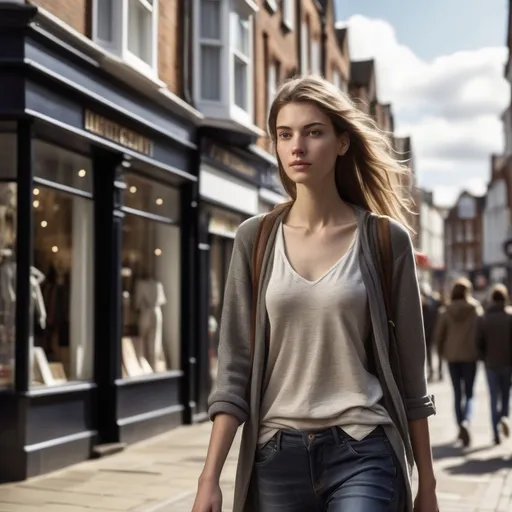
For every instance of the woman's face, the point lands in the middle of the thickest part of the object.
(307, 145)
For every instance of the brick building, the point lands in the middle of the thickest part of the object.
(133, 143)
(464, 240)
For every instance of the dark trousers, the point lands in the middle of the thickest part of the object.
(499, 388)
(327, 471)
(463, 381)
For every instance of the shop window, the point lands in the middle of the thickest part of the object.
(8, 219)
(62, 273)
(151, 279)
(130, 29)
(145, 195)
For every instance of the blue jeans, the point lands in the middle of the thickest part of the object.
(499, 388)
(463, 381)
(327, 471)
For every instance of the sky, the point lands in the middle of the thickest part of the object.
(441, 67)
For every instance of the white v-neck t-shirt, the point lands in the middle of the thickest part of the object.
(317, 373)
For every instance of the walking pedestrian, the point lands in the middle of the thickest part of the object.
(334, 406)
(455, 339)
(429, 308)
(495, 346)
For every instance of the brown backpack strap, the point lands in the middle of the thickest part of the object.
(260, 244)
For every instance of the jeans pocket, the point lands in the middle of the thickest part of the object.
(374, 444)
(265, 453)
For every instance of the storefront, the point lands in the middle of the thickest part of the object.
(97, 256)
(233, 185)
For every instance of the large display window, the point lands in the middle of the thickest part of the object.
(62, 273)
(222, 228)
(8, 219)
(151, 278)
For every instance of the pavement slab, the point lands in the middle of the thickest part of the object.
(160, 474)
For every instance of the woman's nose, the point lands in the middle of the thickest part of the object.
(298, 147)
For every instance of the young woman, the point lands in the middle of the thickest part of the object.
(325, 425)
(455, 338)
(495, 347)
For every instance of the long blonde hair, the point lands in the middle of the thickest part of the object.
(367, 175)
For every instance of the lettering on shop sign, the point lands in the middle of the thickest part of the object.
(114, 132)
(230, 160)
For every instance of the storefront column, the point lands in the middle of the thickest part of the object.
(24, 256)
(189, 284)
(203, 377)
(108, 187)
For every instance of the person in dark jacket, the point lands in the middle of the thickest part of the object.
(429, 309)
(455, 338)
(494, 340)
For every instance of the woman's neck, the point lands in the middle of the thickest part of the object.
(316, 208)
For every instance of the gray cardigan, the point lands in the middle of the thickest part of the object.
(230, 395)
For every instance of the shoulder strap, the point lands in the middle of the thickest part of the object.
(260, 244)
(386, 264)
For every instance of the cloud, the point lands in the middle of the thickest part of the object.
(451, 105)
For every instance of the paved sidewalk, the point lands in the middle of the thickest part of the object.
(160, 475)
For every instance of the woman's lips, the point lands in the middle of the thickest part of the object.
(301, 166)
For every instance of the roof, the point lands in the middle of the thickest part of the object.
(341, 36)
(361, 72)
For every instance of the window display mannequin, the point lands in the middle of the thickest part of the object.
(149, 298)
(56, 291)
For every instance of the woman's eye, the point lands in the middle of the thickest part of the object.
(283, 135)
(315, 133)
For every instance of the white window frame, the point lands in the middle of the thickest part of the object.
(315, 53)
(217, 43)
(337, 80)
(120, 29)
(236, 54)
(225, 107)
(288, 13)
(271, 4)
(304, 48)
(271, 83)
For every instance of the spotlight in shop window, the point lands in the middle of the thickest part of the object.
(36, 204)
(133, 189)
(82, 173)
(44, 224)
(55, 249)
(158, 252)
(159, 201)
(36, 191)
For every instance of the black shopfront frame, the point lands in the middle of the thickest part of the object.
(47, 87)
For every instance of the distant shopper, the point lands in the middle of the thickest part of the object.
(495, 346)
(429, 308)
(455, 338)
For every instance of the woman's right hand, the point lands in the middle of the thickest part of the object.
(208, 497)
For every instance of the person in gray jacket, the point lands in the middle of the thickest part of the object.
(455, 338)
(495, 346)
(335, 408)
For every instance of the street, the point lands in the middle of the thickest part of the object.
(160, 475)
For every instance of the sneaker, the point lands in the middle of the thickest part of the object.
(464, 434)
(505, 426)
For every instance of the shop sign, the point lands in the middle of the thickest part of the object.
(231, 160)
(114, 132)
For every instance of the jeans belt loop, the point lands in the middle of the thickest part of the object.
(336, 435)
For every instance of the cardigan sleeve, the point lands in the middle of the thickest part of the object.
(234, 362)
(410, 335)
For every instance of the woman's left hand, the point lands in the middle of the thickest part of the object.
(426, 501)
